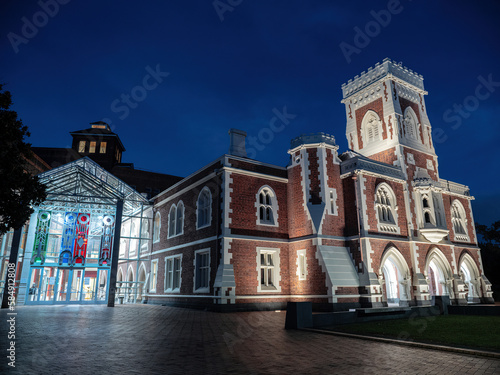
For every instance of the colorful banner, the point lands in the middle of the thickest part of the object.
(41, 237)
(80, 246)
(68, 238)
(107, 240)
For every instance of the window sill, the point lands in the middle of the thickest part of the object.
(264, 288)
(267, 224)
(202, 290)
(203, 226)
(172, 290)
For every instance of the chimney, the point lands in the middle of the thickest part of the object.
(237, 143)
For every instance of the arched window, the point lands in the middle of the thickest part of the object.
(371, 126)
(156, 227)
(385, 206)
(204, 209)
(267, 207)
(180, 219)
(171, 220)
(459, 222)
(410, 122)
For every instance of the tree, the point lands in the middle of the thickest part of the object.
(19, 190)
(490, 254)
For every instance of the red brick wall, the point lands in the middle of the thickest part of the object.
(315, 282)
(350, 213)
(370, 188)
(189, 198)
(244, 213)
(253, 167)
(387, 156)
(244, 261)
(299, 222)
(334, 225)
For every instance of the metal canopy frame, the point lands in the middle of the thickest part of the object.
(83, 181)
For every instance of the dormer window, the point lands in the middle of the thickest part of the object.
(92, 147)
(102, 149)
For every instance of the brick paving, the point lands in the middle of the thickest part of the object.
(146, 339)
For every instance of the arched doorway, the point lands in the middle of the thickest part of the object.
(141, 282)
(396, 277)
(470, 276)
(439, 275)
(130, 285)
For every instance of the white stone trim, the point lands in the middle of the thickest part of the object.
(152, 288)
(256, 174)
(382, 226)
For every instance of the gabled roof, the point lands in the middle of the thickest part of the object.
(83, 181)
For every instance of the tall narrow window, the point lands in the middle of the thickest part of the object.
(154, 275)
(92, 147)
(173, 273)
(171, 221)
(156, 227)
(301, 264)
(410, 123)
(204, 208)
(266, 270)
(266, 207)
(81, 146)
(202, 275)
(102, 148)
(180, 219)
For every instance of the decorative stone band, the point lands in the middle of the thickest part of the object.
(358, 163)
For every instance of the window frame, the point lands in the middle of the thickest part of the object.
(170, 275)
(302, 265)
(385, 202)
(272, 206)
(157, 227)
(276, 273)
(154, 276)
(196, 276)
(458, 208)
(101, 148)
(92, 147)
(207, 208)
(80, 144)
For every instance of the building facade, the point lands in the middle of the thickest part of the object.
(374, 226)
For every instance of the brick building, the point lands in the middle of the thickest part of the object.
(371, 227)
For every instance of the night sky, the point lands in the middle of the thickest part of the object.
(195, 71)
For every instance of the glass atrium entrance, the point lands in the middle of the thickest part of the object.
(71, 238)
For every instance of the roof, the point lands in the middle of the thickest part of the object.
(100, 132)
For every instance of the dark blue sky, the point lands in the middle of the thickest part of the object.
(236, 68)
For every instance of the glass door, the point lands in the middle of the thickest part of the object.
(76, 285)
(63, 284)
(89, 285)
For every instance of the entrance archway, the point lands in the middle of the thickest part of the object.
(470, 276)
(141, 282)
(397, 278)
(439, 275)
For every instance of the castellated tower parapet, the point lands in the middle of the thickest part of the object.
(386, 113)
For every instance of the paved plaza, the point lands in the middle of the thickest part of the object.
(145, 339)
